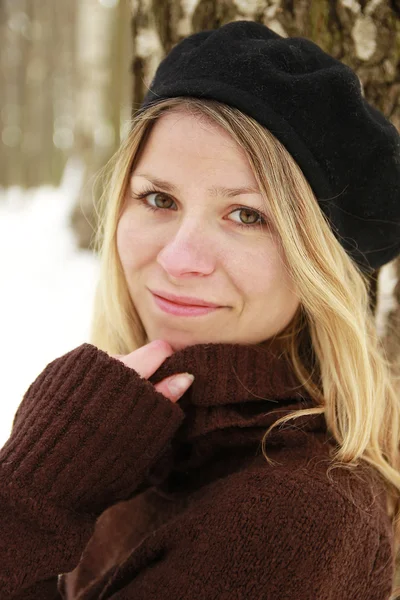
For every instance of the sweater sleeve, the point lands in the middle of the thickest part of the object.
(85, 436)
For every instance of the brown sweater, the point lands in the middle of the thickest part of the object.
(102, 469)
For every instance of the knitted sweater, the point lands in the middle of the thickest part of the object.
(110, 490)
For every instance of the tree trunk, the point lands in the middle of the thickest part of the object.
(102, 78)
(364, 34)
(36, 41)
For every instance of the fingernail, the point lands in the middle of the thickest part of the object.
(180, 384)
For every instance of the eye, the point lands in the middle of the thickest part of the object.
(143, 196)
(255, 217)
(160, 199)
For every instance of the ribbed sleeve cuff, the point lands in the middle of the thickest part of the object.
(87, 432)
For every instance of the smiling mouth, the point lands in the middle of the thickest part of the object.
(184, 300)
(188, 310)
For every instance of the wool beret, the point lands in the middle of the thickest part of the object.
(314, 104)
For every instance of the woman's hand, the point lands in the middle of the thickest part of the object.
(147, 359)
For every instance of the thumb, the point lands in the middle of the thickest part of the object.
(174, 387)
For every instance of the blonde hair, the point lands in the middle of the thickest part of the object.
(332, 341)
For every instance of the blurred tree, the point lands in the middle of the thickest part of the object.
(66, 89)
(27, 113)
(364, 34)
(102, 84)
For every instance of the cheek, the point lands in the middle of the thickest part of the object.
(133, 243)
(124, 242)
(256, 272)
(275, 287)
(263, 282)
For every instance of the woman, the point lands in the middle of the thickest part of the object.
(258, 181)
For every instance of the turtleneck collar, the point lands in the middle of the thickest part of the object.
(239, 372)
(239, 390)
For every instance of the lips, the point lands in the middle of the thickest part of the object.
(184, 300)
(183, 310)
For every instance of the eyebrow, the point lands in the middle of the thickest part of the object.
(212, 191)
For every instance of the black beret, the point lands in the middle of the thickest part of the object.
(313, 103)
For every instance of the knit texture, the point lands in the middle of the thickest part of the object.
(313, 103)
(127, 495)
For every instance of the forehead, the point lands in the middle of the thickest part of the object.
(180, 140)
(179, 122)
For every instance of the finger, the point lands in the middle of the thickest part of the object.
(175, 386)
(147, 359)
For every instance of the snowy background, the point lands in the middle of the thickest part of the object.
(48, 286)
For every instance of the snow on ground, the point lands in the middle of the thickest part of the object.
(47, 286)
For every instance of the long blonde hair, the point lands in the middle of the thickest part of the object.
(332, 341)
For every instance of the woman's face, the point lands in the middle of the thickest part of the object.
(193, 243)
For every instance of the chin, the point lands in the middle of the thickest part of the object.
(176, 340)
(173, 340)
(178, 346)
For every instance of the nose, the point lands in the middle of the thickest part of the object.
(188, 252)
